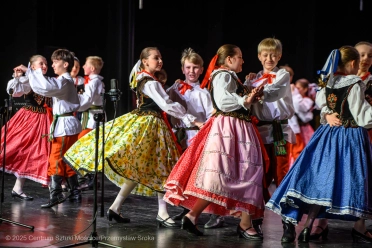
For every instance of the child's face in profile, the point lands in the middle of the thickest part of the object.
(75, 70)
(59, 67)
(192, 71)
(40, 63)
(365, 53)
(269, 59)
(88, 68)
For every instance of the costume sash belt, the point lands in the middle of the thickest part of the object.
(85, 116)
(278, 136)
(52, 127)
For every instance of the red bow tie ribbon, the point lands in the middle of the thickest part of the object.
(86, 79)
(267, 76)
(184, 87)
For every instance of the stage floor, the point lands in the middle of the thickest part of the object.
(70, 224)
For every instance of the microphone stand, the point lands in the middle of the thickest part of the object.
(99, 118)
(5, 115)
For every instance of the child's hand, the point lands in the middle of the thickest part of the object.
(21, 68)
(250, 76)
(252, 97)
(333, 120)
(17, 73)
(198, 124)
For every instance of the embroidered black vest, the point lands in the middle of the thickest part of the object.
(146, 106)
(337, 101)
(241, 113)
(35, 102)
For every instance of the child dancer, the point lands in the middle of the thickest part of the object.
(30, 123)
(330, 177)
(65, 127)
(221, 171)
(140, 148)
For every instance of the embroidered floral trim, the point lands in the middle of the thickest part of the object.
(147, 112)
(332, 100)
(35, 109)
(38, 98)
(244, 117)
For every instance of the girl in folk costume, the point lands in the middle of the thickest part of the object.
(365, 52)
(330, 178)
(221, 171)
(25, 131)
(140, 148)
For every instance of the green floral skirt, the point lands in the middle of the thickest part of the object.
(137, 147)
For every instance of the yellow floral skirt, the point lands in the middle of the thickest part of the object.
(137, 147)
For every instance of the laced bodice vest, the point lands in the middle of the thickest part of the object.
(337, 102)
(241, 113)
(146, 106)
(35, 102)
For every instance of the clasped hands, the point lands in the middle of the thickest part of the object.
(255, 95)
(19, 70)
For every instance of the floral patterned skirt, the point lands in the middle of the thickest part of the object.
(137, 147)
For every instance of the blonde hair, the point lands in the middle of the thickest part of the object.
(97, 62)
(270, 44)
(190, 55)
(363, 43)
(35, 57)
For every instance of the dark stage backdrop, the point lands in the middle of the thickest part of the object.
(117, 30)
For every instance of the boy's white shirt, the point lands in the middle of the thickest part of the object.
(65, 99)
(277, 104)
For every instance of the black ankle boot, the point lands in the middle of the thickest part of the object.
(75, 192)
(289, 232)
(56, 196)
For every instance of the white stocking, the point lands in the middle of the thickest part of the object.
(18, 186)
(125, 190)
(163, 211)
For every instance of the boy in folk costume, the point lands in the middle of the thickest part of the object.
(198, 102)
(65, 126)
(91, 102)
(273, 113)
